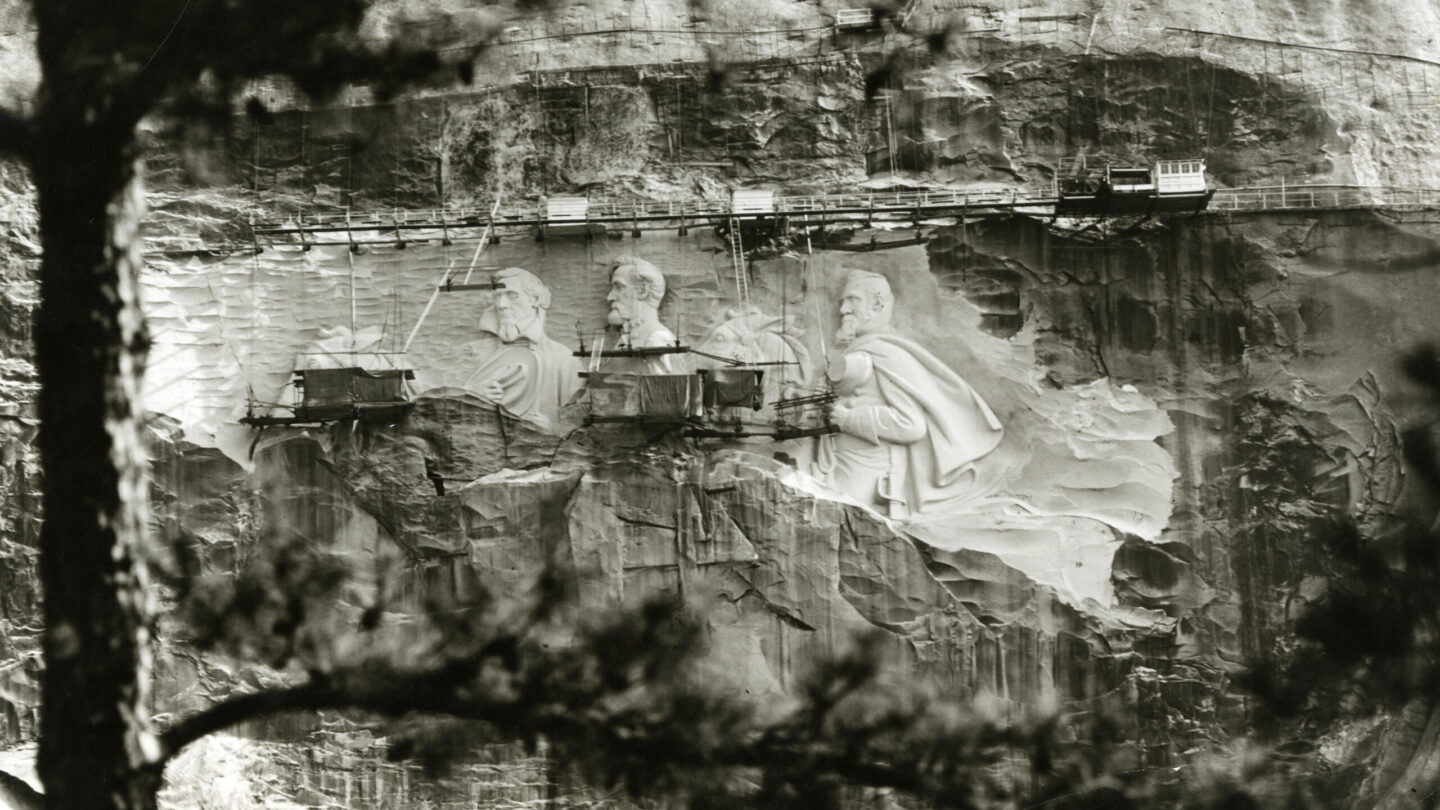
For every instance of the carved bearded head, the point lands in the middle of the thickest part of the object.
(865, 306)
(636, 289)
(520, 300)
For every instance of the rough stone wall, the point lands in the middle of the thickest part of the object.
(19, 469)
(1267, 342)
(1256, 335)
(996, 107)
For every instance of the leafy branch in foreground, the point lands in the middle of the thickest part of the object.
(623, 698)
(619, 699)
(104, 68)
(1372, 638)
(1368, 644)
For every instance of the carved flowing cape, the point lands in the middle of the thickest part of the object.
(537, 374)
(960, 427)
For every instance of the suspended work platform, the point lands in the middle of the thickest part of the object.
(805, 211)
(711, 403)
(893, 208)
(331, 388)
(1099, 186)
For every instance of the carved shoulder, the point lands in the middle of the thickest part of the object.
(850, 371)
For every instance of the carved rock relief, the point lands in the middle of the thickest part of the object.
(943, 429)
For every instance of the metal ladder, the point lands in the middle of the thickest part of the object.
(737, 258)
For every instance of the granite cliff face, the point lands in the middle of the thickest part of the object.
(1185, 399)
(1184, 403)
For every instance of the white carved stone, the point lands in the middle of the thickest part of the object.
(911, 429)
(751, 336)
(521, 368)
(636, 290)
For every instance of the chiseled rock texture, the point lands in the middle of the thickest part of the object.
(19, 470)
(1261, 355)
(1186, 399)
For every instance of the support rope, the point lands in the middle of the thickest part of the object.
(480, 248)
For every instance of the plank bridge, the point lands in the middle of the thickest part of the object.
(853, 208)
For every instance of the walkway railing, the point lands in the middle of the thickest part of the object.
(877, 205)
(1283, 197)
(887, 206)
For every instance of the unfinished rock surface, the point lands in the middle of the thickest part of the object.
(1144, 370)
(1126, 558)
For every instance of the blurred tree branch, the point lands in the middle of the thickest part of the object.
(621, 698)
(104, 67)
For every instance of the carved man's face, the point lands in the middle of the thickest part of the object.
(623, 296)
(515, 309)
(860, 312)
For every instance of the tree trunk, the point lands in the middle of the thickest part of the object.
(95, 745)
